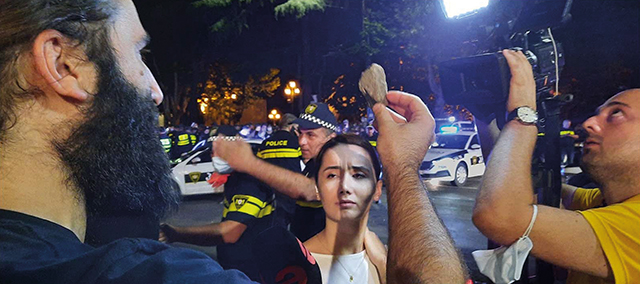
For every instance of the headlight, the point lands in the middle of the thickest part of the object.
(442, 163)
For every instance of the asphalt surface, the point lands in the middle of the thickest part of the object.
(453, 204)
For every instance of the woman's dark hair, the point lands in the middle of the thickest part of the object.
(348, 139)
(21, 21)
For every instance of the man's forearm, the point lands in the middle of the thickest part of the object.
(292, 184)
(506, 189)
(414, 223)
(206, 235)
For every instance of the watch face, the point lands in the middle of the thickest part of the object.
(527, 115)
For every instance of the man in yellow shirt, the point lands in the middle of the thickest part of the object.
(597, 245)
(617, 228)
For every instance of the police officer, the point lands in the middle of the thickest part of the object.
(250, 207)
(317, 126)
(372, 136)
(165, 140)
(181, 142)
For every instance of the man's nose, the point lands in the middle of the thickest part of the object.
(591, 125)
(156, 92)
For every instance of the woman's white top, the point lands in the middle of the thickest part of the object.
(338, 269)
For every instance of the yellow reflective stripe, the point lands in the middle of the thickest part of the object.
(373, 143)
(248, 205)
(183, 139)
(281, 150)
(279, 153)
(312, 204)
(262, 213)
(567, 132)
(564, 132)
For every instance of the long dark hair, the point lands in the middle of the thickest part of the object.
(348, 139)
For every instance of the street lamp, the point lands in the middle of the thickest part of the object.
(291, 91)
(274, 116)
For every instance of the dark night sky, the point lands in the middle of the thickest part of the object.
(602, 39)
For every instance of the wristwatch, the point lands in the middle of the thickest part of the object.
(524, 114)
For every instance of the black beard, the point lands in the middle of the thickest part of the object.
(114, 157)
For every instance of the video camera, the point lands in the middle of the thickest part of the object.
(484, 79)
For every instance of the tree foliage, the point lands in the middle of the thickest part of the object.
(224, 99)
(234, 15)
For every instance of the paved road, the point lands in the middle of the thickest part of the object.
(453, 204)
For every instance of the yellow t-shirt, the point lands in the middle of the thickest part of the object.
(617, 228)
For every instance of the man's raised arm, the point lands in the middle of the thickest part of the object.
(504, 205)
(240, 157)
(420, 248)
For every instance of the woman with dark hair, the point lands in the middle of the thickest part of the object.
(347, 178)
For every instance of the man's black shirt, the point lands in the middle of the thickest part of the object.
(34, 250)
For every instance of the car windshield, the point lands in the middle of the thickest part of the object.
(450, 141)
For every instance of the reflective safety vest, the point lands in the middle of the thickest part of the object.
(183, 139)
(166, 144)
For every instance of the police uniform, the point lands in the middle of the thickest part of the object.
(309, 217)
(181, 143)
(165, 140)
(282, 149)
(256, 205)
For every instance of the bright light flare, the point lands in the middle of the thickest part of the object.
(277, 116)
(274, 111)
(459, 8)
(449, 129)
(292, 84)
(452, 118)
(287, 91)
(296, 91)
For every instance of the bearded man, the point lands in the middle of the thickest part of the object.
(78, 143)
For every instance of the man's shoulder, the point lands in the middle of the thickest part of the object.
(148, 261)
(63, 259)
(281, 139)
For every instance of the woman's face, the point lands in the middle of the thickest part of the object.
(346, 182)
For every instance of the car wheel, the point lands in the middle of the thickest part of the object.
(461, 175)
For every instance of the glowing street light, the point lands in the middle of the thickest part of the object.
(274, 116)
(291, 90)
(234, 96)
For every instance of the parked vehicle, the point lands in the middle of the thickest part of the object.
(453, 157)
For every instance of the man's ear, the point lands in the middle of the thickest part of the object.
(378, 193)
(57, 60)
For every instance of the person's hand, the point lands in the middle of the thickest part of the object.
(166, 234)
(237, 153)
(522, 91)
(403, 141)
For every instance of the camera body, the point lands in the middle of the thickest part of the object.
(484, 79)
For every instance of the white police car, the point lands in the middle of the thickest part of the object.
(193, 170)
(453, 157)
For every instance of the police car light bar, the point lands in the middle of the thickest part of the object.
(462, 8)
(449, 129)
